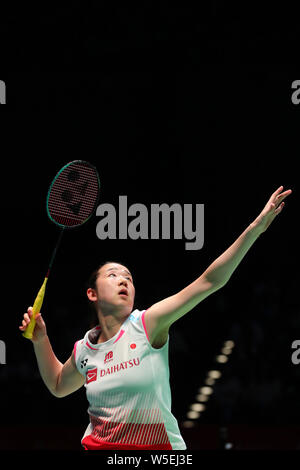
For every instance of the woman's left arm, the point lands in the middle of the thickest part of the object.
(161, 315)
(220, 271)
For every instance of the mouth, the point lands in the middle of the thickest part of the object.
(123, 292)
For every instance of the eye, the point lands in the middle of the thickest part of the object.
(111, 274)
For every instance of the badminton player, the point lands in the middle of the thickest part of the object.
(123, 362)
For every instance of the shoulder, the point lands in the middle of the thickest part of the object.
(82, 344)
(144, 321)
(136, 316)
(77, 348)
(136, 321)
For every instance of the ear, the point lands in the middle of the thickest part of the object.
(91, 293)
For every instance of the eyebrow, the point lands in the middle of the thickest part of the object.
(125, 270)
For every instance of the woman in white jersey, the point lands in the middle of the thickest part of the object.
(123, 362)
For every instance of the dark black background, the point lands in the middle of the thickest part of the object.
(171, 103)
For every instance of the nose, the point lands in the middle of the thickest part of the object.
(123, 281)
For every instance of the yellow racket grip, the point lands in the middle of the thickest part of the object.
(28, 333)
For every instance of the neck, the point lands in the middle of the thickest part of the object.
(110, 325)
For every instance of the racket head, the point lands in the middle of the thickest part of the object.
(73, 194)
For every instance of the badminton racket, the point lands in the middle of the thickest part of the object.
(71, 201)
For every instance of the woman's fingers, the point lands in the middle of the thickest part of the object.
(279, 208)
(278, 190)
(277, 197)
(24, 325)
(26, 319)
(282, 196)
(278, 203)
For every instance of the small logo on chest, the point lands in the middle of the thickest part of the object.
(108, 357)
(91, 375)
(83, 363)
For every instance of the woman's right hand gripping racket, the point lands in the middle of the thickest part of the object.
(35, 310)
(39, 331)
(71, 201)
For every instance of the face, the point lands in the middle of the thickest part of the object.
(114, 289)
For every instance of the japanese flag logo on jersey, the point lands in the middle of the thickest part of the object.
(91, 375)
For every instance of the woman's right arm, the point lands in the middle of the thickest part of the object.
(60, 379)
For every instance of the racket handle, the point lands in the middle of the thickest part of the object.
(28, 333)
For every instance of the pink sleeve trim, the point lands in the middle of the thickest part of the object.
(75, 345)
(144, 325)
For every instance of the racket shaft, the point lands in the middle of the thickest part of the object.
(28, 333)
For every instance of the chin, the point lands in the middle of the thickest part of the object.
(127, 309)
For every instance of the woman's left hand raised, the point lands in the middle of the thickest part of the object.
(273, 207)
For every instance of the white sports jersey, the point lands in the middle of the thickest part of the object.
(128, 389)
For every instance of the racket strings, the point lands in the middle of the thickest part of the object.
(73, 195)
